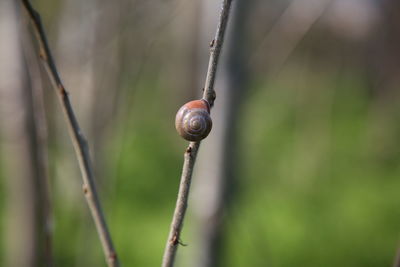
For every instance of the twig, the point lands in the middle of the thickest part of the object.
(191, 152)
(216, 46)
(79, 142)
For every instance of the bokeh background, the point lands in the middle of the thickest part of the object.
(301, 167)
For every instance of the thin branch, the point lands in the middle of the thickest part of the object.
(79, 142)
(216, 46)
(220, 152)
(191, 152)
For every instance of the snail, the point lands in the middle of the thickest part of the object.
(193, 121)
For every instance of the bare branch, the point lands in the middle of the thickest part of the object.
(79, 142)
(191, 152)
(216, 46)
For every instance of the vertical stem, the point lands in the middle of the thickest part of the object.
(215, 48)
(218, 165)
(181, 204)
(191, 152)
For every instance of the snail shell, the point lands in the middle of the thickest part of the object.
(193, 121)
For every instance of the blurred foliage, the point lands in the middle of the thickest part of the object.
(318, 180)
(320, 176)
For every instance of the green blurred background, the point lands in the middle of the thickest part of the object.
(308, 161)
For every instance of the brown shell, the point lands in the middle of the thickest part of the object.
(193, 121)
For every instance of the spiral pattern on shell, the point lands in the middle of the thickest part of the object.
(193, 121)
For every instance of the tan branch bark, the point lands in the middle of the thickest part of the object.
(79, 142)
(191, 152)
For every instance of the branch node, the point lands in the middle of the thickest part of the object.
(112, 256)
(62, 90)
(85, 189)
(212, 96)
(42, 55)
(212, 43)
(174, 240)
